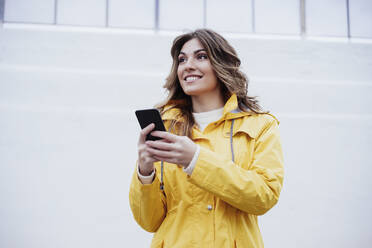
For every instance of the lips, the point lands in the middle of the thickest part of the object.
(191, 78)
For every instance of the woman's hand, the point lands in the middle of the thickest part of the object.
(172, 148)
(145, 159)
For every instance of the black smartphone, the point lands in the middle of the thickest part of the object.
(147, 116)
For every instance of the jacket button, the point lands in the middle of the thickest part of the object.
(209, 207)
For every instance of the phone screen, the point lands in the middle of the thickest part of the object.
(147, 116)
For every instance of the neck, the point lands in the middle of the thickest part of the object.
(206, 103)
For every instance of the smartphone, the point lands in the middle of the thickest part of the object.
(147, 116)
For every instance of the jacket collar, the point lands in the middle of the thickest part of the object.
(231, 105)
(171, 113)
(230, 110)
(252, 126)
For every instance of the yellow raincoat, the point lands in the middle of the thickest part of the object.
(217, 206)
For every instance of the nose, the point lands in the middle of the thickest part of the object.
(189, 65)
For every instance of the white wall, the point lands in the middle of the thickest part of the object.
(240, 15)
(334, 11)
(81, 12)
(68, 132)
(321, 17)
(35, 11)
(361, 18)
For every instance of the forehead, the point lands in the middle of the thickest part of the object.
(191, 46)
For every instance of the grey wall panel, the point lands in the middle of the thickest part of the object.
(29, 11)
(231, 16)
(326, 18)
(180, 14)
(132, 14)
(2, 2)
(82, 12)
(361, 18)
(277, 17)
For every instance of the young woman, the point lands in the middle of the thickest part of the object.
(222, 158)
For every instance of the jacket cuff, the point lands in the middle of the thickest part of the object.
(190, 168)
(145, 179)
(142, 188)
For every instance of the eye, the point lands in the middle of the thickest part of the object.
(181, 59)
(202, 56)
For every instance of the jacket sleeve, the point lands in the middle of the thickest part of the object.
(255, 190)
(147, 202)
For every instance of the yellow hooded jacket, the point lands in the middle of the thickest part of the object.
(217, 206)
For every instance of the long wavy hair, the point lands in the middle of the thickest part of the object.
(225, 63)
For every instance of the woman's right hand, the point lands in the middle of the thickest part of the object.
(145, 161)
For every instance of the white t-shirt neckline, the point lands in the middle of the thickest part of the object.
(204, 118)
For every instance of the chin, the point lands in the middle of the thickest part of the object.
(193, 92)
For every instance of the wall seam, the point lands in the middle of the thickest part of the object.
(2, 10)
(348, 18)
(302, 17)
(253, 16)
(156, 24)
(107, 12)
(55, 11)
(205, 13)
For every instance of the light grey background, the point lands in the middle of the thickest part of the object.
(333, 11)
(68, 134)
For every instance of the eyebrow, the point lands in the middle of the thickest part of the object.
(196, 51)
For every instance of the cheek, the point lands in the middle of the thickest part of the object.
(179, 73)
(210, 73)
(208, 69)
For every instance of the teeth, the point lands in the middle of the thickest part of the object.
(191, 78)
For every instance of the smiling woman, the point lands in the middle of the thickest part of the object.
(221, 160)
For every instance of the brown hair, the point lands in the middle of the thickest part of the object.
(225, 63)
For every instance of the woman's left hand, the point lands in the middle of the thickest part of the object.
(172, 148)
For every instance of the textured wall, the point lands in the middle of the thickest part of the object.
(68, 132)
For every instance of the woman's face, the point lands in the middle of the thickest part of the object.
(195, 72)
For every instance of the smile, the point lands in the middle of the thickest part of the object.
(192, 78)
